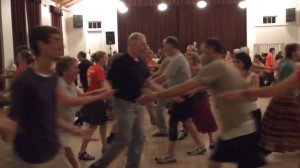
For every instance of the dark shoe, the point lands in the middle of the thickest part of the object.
(85, 156)
(160, 134)
(182, 135)
(95, 165)
(260, 160)
(78, 122)
(212, 146)
(110, 138)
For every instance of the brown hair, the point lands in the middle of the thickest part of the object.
(98, 56)
(27, 55)
(41, 33)
(63, 64)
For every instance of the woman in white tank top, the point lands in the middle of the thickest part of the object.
(244, 65)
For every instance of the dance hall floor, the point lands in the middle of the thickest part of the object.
(156, 146)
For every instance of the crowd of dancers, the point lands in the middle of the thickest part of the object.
(44, 99)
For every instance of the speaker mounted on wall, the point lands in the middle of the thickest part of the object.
(291, 15)
(77, 21)
(110, 38)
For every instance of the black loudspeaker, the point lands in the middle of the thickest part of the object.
(77, 21)
(291, 15)
(110, 38)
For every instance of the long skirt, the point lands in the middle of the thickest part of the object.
(202, 115)
(281, 125)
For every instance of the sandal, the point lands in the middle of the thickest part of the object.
(85, 156)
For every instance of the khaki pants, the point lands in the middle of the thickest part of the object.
(59, 161)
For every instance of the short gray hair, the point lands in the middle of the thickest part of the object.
(192, 47)
(133, 37)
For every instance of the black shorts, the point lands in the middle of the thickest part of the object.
(94, 113)
(242, 150)
(182, 111)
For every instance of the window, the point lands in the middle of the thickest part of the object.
(94, 25)
(269, 19)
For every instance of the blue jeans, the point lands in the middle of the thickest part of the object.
(159, 114)
(131, 134)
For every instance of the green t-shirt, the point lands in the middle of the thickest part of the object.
(234, 114)
(287, 68)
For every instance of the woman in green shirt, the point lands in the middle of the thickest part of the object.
(281, 122)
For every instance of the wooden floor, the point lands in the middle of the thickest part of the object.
(156, 146)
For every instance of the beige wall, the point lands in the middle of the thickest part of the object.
(7, 32)
(74, 39)
(92, 10)
(281, 32)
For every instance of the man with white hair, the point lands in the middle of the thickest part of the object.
(129, 76)
(191, 49)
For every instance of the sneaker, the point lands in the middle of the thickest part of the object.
(165, 159)
(199, 150)
(182, 135)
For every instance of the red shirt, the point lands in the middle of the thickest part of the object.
(95, 75)
(269, 60)
(19, 70)
(151, 62)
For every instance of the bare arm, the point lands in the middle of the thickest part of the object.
(180, 89)
(279, 89)
(161, 78)
(173, 92)
(154, 86)
(68, 100)
(254, 85)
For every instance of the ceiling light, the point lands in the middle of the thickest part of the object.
(243, 4)
(122, 8)
(162, 6)
(201, 4)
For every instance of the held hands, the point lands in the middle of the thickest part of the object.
(107, 94)
(7, 129)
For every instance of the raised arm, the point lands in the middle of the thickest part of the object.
(279, 89)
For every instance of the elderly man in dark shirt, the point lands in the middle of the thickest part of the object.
(129, 76)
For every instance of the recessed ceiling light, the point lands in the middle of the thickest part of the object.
(162, 6)
(243, 4)
(201, 4)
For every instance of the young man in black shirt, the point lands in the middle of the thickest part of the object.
(83, 67)
(34, 97)
(129, 75)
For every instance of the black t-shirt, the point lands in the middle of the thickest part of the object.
(34, 109)
(83, 68)
(128, 77)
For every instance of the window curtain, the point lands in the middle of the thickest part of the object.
(190, 24)
(56, 17)
(33, 8)
(18, 23)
